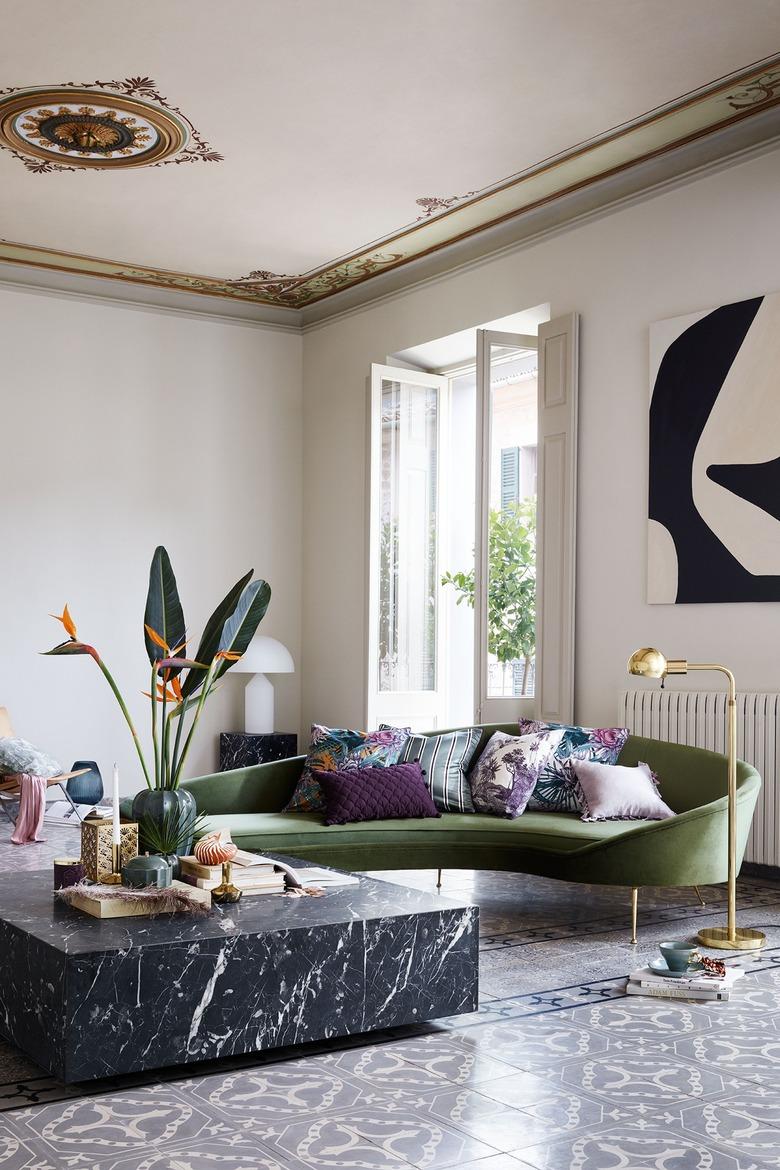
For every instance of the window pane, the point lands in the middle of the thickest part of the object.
(512, 524)
(408, 552)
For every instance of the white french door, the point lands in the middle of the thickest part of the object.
(408, 413)
(428, 664)
(505, 547)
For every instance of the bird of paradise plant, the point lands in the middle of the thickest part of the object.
(180, 686)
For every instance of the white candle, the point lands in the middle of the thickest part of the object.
(116, 836)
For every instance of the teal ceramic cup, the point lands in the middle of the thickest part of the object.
(677, 954)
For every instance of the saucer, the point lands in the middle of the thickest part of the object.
(661, 968)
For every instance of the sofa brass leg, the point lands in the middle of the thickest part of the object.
(634, 908)
(698, 895)
(438, 879)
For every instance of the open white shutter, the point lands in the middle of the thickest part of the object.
(556, 518)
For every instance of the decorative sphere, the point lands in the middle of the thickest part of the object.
(215, 848)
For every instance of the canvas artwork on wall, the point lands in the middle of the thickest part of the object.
(714, 500)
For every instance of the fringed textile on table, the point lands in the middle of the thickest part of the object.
(153, 900)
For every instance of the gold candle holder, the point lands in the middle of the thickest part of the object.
(115, 877)
(226, 891)
(102, 859)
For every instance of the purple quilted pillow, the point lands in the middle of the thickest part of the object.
(396, 792)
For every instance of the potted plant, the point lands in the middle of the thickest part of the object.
(170, 835)
(179, 689)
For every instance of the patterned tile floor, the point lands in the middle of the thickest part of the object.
(559, 1070)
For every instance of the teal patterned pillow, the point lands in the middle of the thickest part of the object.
(556, 788)
(445, 759)
(341, 748)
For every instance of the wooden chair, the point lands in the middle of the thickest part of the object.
(10, 785)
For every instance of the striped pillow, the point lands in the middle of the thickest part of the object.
(445, 760)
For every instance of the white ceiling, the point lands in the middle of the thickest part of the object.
(458, 349)
(335, 116)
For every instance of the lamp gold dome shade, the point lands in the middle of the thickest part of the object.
(650, 663)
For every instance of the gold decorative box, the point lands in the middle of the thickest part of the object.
(96, 851)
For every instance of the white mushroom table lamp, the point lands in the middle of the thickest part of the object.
(264, 656)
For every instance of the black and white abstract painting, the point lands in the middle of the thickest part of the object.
(714, 500)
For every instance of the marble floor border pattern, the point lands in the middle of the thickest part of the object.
(572, 1090)
(17, 1093)
(715, 907)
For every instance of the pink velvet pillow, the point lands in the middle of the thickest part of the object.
(611, 792)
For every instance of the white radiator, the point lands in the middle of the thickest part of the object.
(699, 718)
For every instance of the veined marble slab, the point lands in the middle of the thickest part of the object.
(88, 998)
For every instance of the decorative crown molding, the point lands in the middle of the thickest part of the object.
(713, 113)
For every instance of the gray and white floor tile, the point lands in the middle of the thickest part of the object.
(558, 1070)
(654, 1146)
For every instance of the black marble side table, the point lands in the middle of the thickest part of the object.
(239, 749)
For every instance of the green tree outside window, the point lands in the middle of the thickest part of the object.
(511, 585)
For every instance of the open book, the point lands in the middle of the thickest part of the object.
(310, 876)
(254, 863)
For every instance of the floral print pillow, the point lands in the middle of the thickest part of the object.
(556, 789)
(341, 748)
(506, 773)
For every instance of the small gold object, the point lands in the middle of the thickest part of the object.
(650, 663)
(226, 891)
(115, 877)
(97, 847)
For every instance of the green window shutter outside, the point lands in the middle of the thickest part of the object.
(510, 477)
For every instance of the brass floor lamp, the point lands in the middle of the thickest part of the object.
(649, 663)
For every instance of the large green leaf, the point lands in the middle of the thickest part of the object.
(239, 629)
(163, 608)
(212, 633)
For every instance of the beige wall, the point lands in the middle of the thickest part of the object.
(123, 428)
(703, 244)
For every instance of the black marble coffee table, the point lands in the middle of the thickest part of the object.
(89, 998)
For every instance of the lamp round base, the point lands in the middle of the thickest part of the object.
(718, 937)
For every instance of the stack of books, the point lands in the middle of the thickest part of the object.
(695, 985)
(250, 874)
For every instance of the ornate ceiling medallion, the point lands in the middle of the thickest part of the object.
(100, 126)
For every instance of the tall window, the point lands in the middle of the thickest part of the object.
(511, 505)
(507, 395)
(408, 500)
(456, 577)
(408, 413)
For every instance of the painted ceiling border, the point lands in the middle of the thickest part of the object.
(96, 290)
(763, 111)
(572, 211)
(731, 148)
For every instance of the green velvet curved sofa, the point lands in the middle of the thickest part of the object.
(689, 850)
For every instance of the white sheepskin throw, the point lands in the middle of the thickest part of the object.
(17, 755)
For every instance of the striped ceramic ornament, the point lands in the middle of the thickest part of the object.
(215, 848)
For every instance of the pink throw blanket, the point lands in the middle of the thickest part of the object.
(32, 806)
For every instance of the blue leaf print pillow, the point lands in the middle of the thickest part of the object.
(556, 788)
(341, 749)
